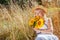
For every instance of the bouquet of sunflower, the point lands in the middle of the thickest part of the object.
(36, 22)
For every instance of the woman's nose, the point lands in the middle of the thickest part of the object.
(36, 14)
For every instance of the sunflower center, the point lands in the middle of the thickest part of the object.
(39, 23)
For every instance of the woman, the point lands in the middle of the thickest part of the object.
(46, 32)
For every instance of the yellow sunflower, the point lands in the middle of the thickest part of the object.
(31, 22)
(39, 23)
(36, 18)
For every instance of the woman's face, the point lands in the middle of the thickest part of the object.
(39, 13)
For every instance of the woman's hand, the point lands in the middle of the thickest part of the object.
(36, 30)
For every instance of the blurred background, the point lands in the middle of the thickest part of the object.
(15, 14)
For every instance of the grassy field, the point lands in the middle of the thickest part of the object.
(14, 23)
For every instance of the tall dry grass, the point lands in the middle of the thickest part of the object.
(14, 23)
